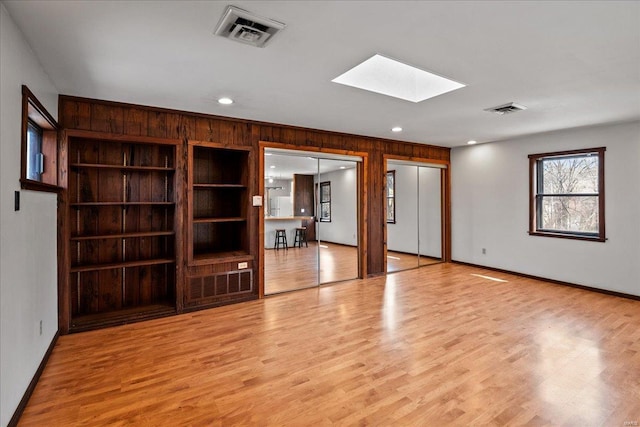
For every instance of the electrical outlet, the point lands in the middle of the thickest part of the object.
(41, 327)
(484, 251)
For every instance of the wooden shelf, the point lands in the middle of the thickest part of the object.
(226, 256)
(126, 264)
(121, 167)
(210, 186)
(89, 204)
(212, 220)
(124, 235)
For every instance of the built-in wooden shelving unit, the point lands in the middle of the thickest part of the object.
(220, 265)
(122, 248)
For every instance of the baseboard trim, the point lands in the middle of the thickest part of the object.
(32, 385)
(556, 282)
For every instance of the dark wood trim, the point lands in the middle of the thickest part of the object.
(41, 117)
(567, 236)
(260, 278)
(555, 282)
(32, 385)
(29, 184)
(64, 244)
(567, 152)
(363, 217)
(116, 137)
(38, 105)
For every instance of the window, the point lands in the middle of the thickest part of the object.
(325, 201)
(567, 194)
(391, 197)
(34, 152)
(39, 151)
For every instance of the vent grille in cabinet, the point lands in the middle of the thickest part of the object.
(220, 284)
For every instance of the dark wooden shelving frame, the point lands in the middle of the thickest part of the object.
(122, 229)
(217, 173)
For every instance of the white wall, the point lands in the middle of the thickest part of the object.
(28, 271)
(402, 236)
(490, 209)
(343, 227)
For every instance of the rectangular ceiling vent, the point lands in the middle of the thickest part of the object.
(244, 27)
(511, 107)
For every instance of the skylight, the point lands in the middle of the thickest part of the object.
(389, 77)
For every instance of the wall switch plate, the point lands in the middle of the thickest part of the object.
(242, 265)
(17, 201)
(257, 200)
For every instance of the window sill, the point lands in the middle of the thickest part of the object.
(28, 184)
(567, 236)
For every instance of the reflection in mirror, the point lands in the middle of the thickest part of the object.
(430, 215)
(290, 250)
(414, 230)
(402, 234)
(338, 223)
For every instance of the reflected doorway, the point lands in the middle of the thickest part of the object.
(310, 219)
(414, 215)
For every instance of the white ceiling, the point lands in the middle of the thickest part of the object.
(571, 63)
(286, 163)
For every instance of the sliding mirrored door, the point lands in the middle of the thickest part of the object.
(402, 223)
(429, 215)
(337, 204)
(414, 215)
(290, 247)
(311, 219)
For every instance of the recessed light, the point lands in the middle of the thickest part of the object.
(396, 129)
(270, 180)
(268, 154)
(343, 167)
(225, 101)
(272, 166)
(472, 142)
(393, 78)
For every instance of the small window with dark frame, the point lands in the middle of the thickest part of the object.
(325, 201)
(567, 194)
(39, 146)
(391, 197)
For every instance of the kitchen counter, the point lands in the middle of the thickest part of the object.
(289, 223)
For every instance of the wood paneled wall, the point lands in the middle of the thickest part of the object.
(303, 195)
(141, 121)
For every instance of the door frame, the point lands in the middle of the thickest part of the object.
(361, 190)
(445, 201)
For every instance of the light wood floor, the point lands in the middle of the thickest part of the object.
(398, 261)
(426, 347)
(297, 268)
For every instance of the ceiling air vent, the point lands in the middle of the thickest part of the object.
(244, 27)
(511, 107)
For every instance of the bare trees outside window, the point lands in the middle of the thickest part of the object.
(567, 194)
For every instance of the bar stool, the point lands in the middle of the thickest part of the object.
(281, 238)
(301, 236)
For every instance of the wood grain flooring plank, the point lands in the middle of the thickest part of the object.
(440, 345)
